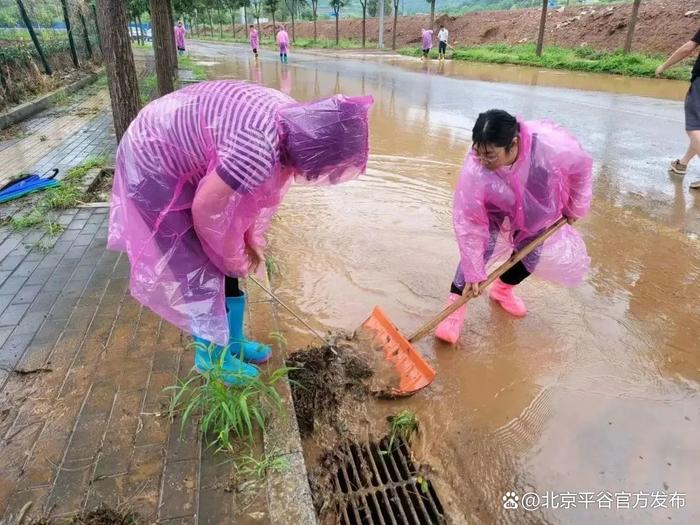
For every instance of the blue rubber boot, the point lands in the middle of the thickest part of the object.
(233, 371)
(239, 345)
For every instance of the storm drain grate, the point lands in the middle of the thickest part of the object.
(375, 487)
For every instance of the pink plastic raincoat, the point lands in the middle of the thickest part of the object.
(180, 33)
(254, 42)
(256, 140)
(427, 38)
(496, 212)
(283, 41)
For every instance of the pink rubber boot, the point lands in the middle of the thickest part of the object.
(449, 329)
(503, 294)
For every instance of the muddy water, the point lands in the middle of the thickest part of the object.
(596, 390)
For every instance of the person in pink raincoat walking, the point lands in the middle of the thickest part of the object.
(283, 43)
(427, 42)
(180, 32)
(518, 179)
(199, 174)
(254, 40)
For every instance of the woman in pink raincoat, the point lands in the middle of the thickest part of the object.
(180, 33)
(427, 42)
(283, 43)
(254, 40)
(518, 179)
(200, 173)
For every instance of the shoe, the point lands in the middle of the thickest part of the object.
(239, 345)
(503, 294)
(449, 329)
(678, 168)
(695, 185)
(208, 357)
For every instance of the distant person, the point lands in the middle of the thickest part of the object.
(443, 34)
(692, 105)
(180, 33)
(254, 41)
(283, 43)
(427, 37)
(518, 179)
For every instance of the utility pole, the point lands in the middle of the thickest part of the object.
(380, 6)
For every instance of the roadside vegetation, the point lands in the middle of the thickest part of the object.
(584, 58)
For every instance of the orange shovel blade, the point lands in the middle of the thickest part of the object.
(414, 372)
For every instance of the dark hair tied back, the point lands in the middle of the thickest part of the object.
(495, 127)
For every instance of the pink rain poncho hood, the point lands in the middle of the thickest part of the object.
(496, 212)
(256, 140)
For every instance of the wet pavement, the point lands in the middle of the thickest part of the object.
(596, 390)
(83, 415)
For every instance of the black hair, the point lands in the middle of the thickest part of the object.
(495, 127)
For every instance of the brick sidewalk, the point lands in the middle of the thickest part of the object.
(82, 413)
(83, 416)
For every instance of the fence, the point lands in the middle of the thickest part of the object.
(42, 41)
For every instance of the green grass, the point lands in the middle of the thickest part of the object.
(279, 338)
(199, 72)
(300, 43)
(584, 58)
(66, 195)
(402, 426)
(226, 412)
(272, 265)
(27, 221)
(148, 88)
(249, 467)
(54, 229)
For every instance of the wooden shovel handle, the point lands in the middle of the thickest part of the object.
(467, 295)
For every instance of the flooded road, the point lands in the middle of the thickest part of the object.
(596, 390)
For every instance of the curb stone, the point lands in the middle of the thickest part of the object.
(288, 492)
(28, 109)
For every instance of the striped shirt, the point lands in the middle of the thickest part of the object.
(178, 138)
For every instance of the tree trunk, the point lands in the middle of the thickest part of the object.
(294, 34)
(136, 30)
(257, 19)
(171, 33)
(32, 34)
(139, 29)
(364, 21)
(315, 32)
(393, 34)
(245, 20)
(97, 28)
(221, 24)
(543, 22)
(86, 35)
(274, 26)
(160, 25)
(211, 24)
(337, 29)
(380, 37)
(432, 14)
(632, 24)
(71, 42)
(112, 24)
(233, 23)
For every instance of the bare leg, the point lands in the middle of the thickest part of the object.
(685, 160)
(693, 147)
